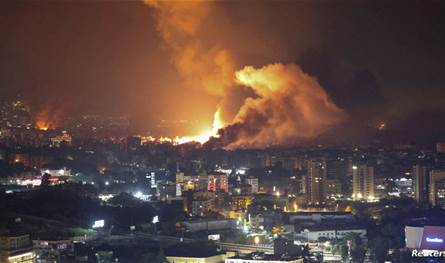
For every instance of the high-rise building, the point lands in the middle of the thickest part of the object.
(179, 177)
(166, 191)
(303, 184)
(202, 202)
(440, 147)
(16, 248)
(253, 182)
(421, 182)
(178, 189)
(316, 182)
(337, 169)
(362, 182)
(218, 183)
(153, 180)
(134, 142)
(437, 187)
(333, 188)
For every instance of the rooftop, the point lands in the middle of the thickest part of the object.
(192, 250)
(263, 256)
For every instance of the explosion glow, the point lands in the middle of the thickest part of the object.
(284, 104)
(42, 125)
(203, 137)
(46, 119)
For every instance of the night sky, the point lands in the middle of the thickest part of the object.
(379, 61)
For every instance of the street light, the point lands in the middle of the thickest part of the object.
(99, 223)
(154, 221)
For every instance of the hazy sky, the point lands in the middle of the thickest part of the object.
(378, 60)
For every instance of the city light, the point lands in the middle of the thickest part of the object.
(105, 197)
(138, 194)
(250, 139)
(434, 240)
(99, 223)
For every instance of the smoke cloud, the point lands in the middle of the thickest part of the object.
(290, 107)
(274, 105)
(205, 66)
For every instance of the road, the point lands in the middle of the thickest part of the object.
(243, 248)
(170, 240)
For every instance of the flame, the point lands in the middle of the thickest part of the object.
(205, 135)
(203, 65)
(202, 137)
(47, 118)
(43, 125)
(285, 104)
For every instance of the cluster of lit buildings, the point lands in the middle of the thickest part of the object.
(318, 189)
(16, 249)
(429, 185)
(15, 115)
(236, 195)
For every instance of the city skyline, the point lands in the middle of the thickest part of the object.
(195, 131)
(376, 61)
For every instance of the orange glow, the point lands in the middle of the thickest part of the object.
(289, 106)
(42, 125)
(46, 119)
(201, 137)
(382, 126)
(205, 135)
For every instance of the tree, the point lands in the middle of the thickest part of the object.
(147, 257)
(358, 253)
(319, 256)
(379, 248)
(351, 246)
(160, 258)
(305, 253)
(124, 200)
(341, 248)
(322, 239)
(45, 180)
(401, 256)
(358, 249)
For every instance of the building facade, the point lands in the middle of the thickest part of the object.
(316, 182)
(253, 182)
(421, 181)
(362, 182)
(437, 187)
(16, 249)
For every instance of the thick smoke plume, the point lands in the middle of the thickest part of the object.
(203, 65)
(283, 105)
(290, 107)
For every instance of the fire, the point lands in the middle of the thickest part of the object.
(42, 125)
(285, 105)
(290, 107)
(205, 135)
(202, 137)
(47, 118)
